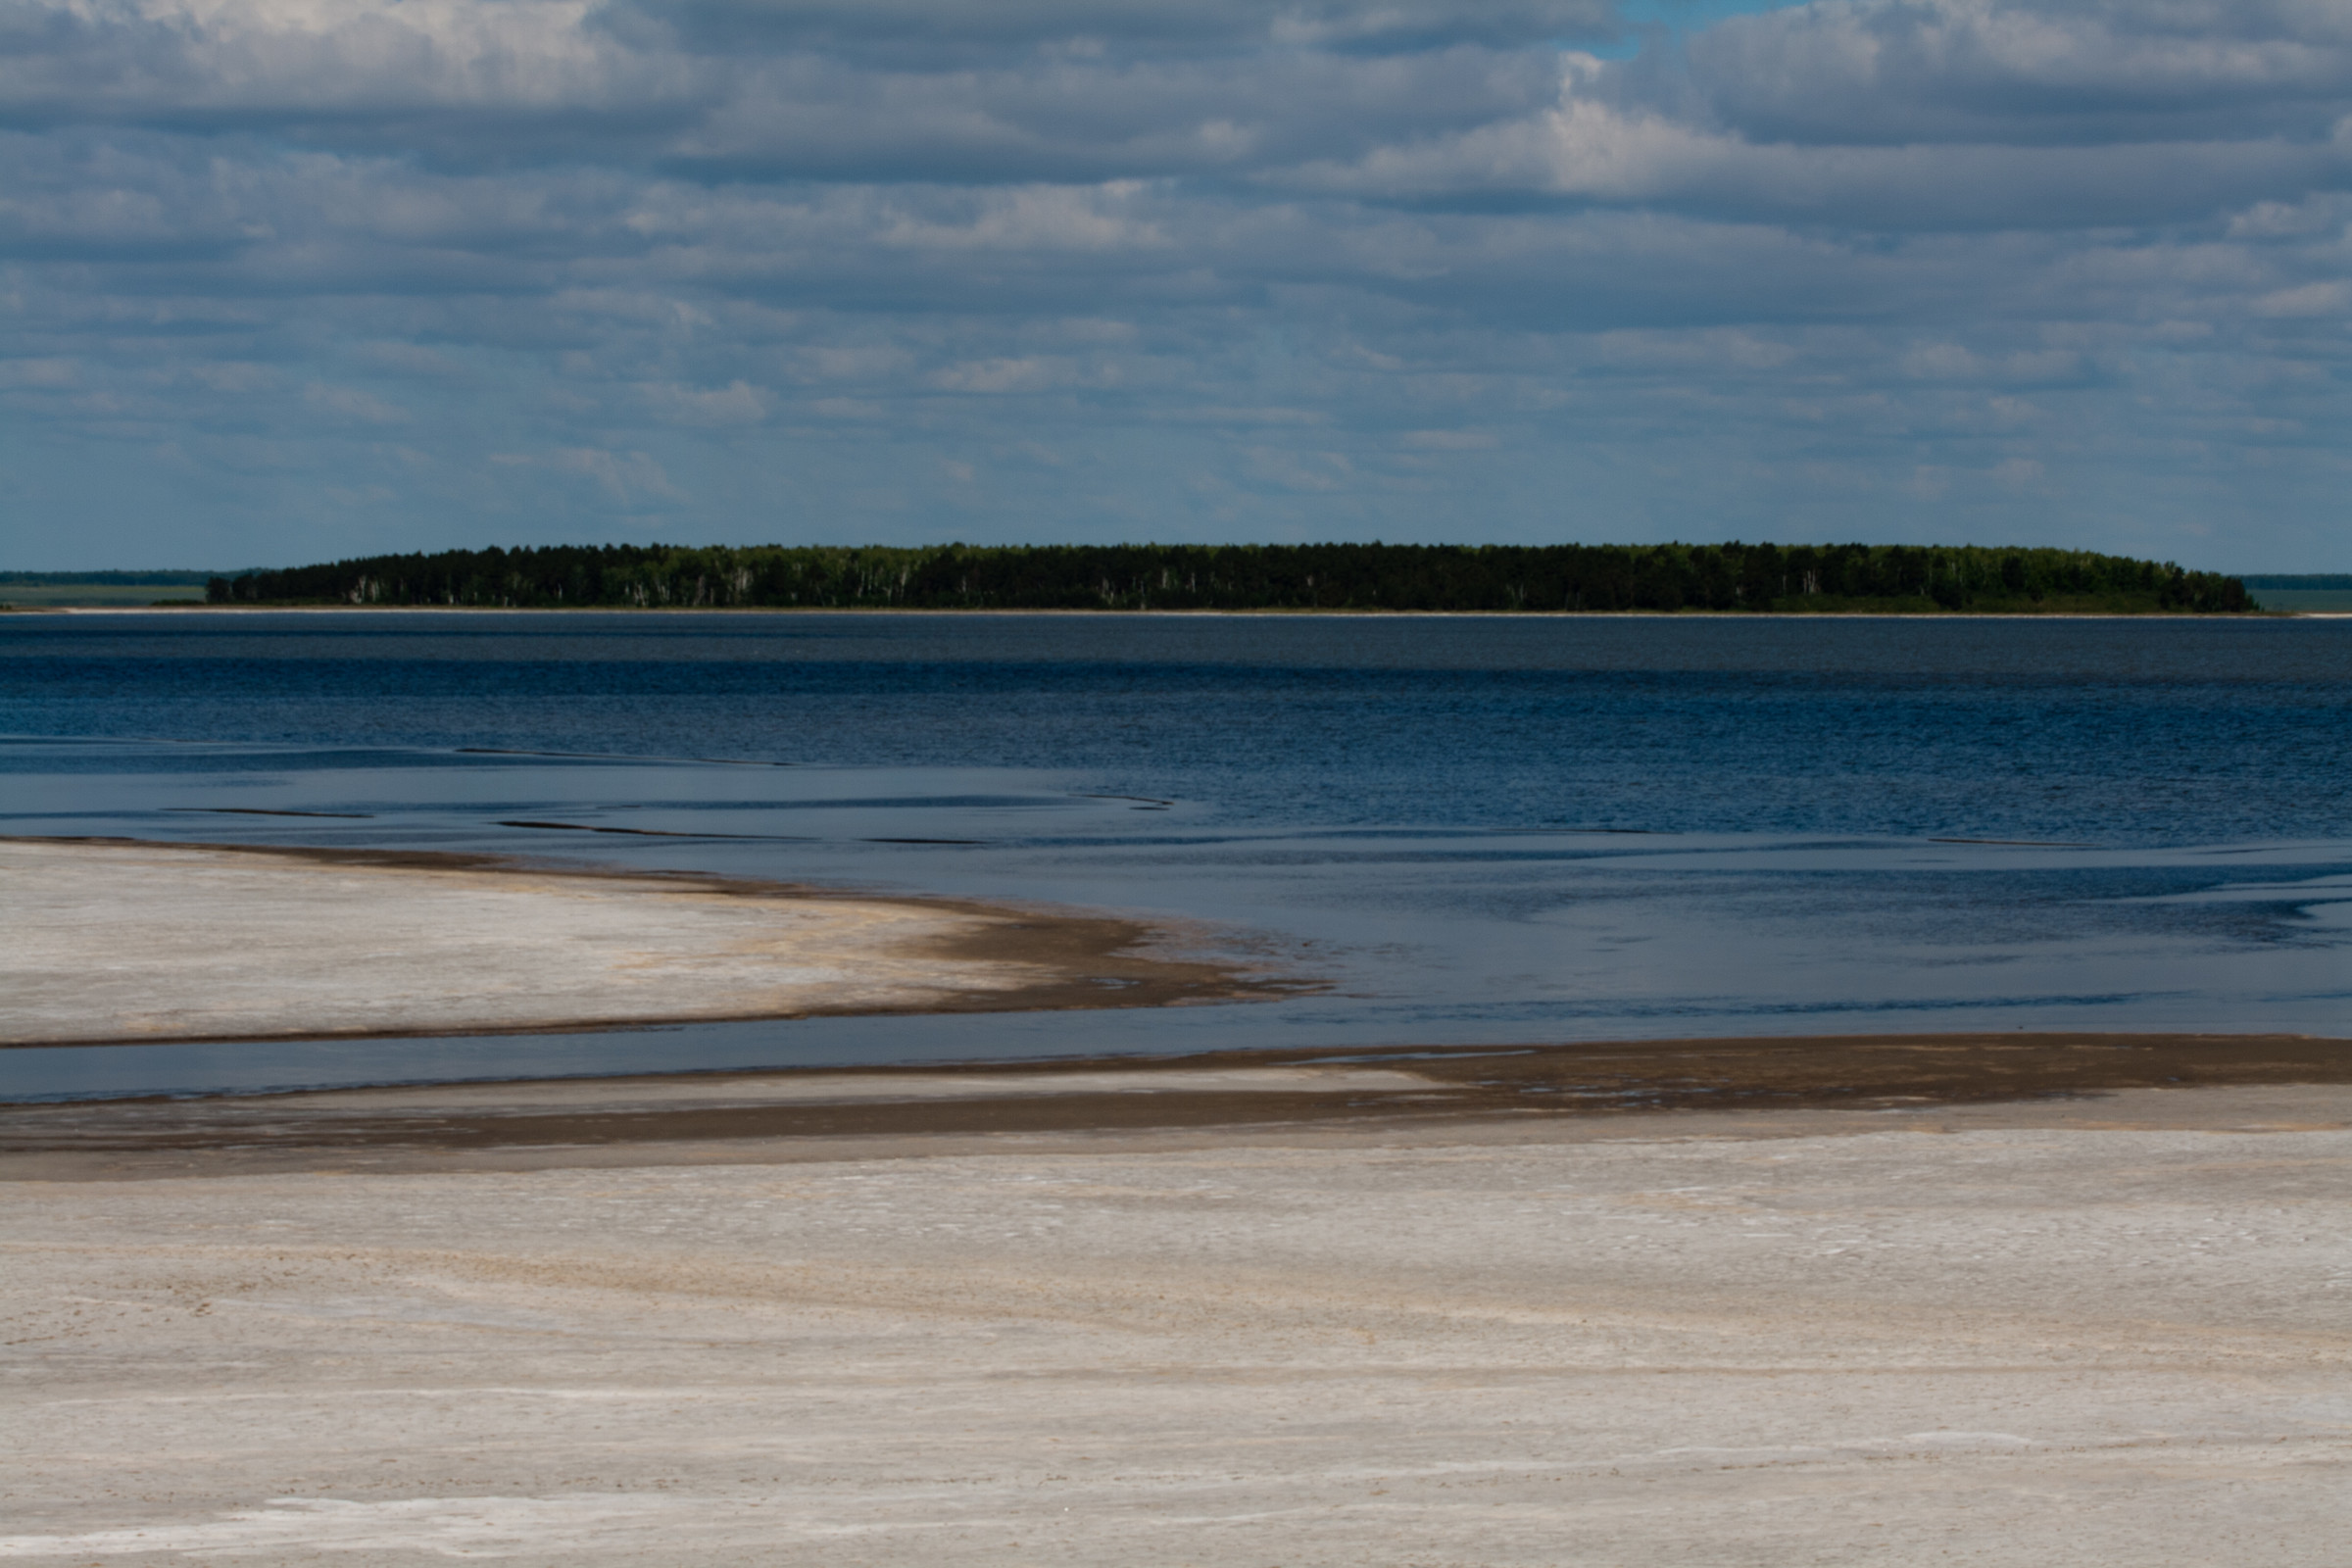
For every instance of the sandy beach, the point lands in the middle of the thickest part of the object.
(2002, 1299)
(405, 1326)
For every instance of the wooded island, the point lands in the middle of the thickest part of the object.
(1732, 578)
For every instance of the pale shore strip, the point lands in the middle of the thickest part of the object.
(115, 941)
(2099, 1329)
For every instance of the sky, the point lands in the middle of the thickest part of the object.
(291, 280)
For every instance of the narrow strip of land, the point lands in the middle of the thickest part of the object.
(120, 941)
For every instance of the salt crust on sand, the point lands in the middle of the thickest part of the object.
(108, 942)
(1950, 1338)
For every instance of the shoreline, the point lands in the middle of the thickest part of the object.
(1390, 615)
(1600, 1089)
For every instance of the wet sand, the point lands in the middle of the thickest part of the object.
(794, 1114)
(117, 940)
(2099, 1327)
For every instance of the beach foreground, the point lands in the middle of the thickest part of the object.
(2109, 1328)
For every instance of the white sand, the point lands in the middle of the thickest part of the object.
(146, 941)
(2001, 1345)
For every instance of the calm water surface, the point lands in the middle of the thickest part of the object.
(1476, 829)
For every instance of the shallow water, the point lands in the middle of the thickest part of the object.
(1476, 829)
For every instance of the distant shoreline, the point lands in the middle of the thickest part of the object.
(1115, 615)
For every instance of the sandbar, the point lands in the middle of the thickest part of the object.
(119, 941)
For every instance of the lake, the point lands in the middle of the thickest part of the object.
(1471, 829)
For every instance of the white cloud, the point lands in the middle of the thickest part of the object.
(1212, 257)
(1034, 220)
(1311, 471)
(1034, 375)
(627, 478)
(2330, 297)
(737, 403)
(46, 374)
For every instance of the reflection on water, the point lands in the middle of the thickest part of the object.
(1475, 830)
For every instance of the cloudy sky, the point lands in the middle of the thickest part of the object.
(283, 280)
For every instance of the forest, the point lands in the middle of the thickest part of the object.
(1726, 577)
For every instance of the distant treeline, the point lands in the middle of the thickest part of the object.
(2307, 583)
(1335, 576)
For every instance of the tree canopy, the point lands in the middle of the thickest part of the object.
(1725, 577)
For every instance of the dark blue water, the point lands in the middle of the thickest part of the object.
(2119, 731)
(1476, 828)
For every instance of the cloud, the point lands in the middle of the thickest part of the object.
(626, 477)
(1053, 218)
(350, 402)
(2332, 298)
(2027, 73)
(954, 30)
(737, 403)
(2069, 270)
(1590, 149)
